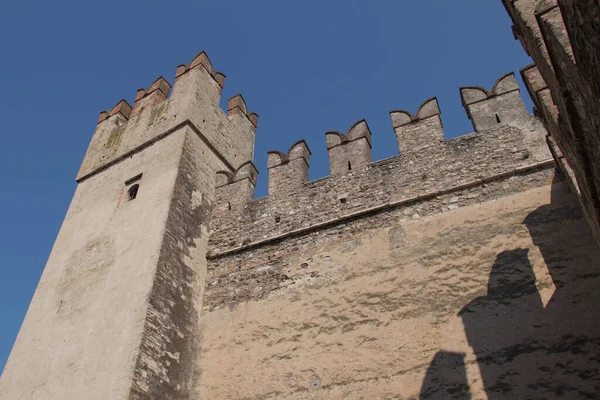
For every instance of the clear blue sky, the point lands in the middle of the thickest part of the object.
(305, 66)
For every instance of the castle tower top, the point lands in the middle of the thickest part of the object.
(160, 110)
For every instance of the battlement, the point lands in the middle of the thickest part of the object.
(287, 171)
(161, 109)
(415, 133)
(234, 189)
(352, 150)
(503, 104)
(508, 143)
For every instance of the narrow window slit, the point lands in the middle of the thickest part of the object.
(133, 191)
(497, 119)
(349, 166)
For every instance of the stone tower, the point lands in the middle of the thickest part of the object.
(115, 313)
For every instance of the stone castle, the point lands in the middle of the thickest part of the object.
(459, 269)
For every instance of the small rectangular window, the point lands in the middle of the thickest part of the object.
(132, 189)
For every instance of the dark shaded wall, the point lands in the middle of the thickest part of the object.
(562, 37)
(526, 349)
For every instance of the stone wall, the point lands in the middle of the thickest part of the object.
(115, 315)
(459, 269)
(562, 38)
(493, 296)
(194, 102)
(81, 335)
(427, 167)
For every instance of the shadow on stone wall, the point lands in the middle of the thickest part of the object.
(446, 378)
(523, 349)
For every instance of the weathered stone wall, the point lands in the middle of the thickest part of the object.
(115, 315)
(165, 367)
(194, 102)
(81, 334)
(495, 296)
(458, 269)
(350, 151)
(502, 105)
(442, 166)
(562, 38)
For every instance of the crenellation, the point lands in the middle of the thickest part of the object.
(524, 19)
(295, 204)
(503, 104)
(237, 108)
(235, 189)
(417, 254)
(288, 171)
(421, 271)
(544, 108)
(123, 108)
(155, 94)
(103, 116)
(506, 83)
(562, 39)
(578, 103)
(351, 151)
(247, 171)
(423, 131)
(202, 60)
(427, 164)
(533, 79)
(193, 100)
(158, 233)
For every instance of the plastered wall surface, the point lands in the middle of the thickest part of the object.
(491, 299)
(99, 262)
(115, 314)
(165, 366)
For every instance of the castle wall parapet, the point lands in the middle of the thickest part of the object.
(161, 110)
(288, 171)
(352, 150)
(428, 166)
(562, 38)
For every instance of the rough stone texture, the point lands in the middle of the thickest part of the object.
(165, 367)
(236, 189)
(350, 151)
(502, 105)
(495, 299)
(194, 102)
(233, 275)
(562, 37)
(418, 133)
(467, 161)
(288, 171)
